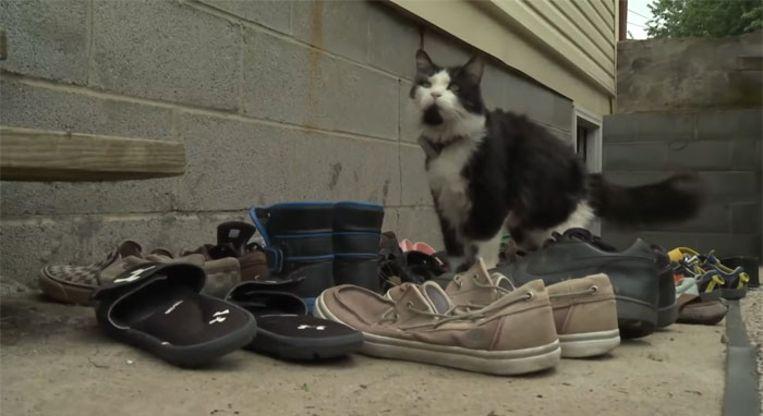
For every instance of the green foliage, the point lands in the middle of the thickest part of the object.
(706, 18)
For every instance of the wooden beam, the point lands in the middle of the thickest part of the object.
(39, 155)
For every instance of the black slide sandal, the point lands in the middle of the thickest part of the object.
(285, 330)
(158, 308)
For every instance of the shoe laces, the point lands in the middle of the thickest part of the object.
(451, 315)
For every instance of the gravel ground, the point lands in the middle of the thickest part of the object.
(752, 313)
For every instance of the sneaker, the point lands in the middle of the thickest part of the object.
(75, 284)
(688, 263)
(735, 280)
(585, 315)
(514, 335)
(577, 253)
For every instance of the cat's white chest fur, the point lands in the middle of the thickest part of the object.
(449, 186)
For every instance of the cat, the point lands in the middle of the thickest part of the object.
(490, 170)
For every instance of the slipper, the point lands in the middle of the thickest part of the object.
(286, 331)
(158, 307)
(693, 310)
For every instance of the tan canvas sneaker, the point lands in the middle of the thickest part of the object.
(585, 312)
(421, 325)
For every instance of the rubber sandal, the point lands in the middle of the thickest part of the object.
(735, 280)
(286, 331)
(158, 307)
(688, 262)
(693, 310)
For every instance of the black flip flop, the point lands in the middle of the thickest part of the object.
(157, 307)
(285, 330)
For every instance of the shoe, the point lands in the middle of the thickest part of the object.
(232, 260)
(688, 262)
(749, 264)
(577, 253)
(356, 236)
(667, 307)
(585, 314)
(76, 284)
(299, 243)
(515, 335)
(735, 280)
(321, 244)
(157, 307)
(285, 330)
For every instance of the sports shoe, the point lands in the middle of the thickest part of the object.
(514, 335)
(585, 315)
(689, 263)
(577, 253)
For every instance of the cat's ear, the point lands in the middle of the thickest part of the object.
(424, 64)
(474, 68)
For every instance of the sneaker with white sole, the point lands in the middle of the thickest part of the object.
(585, 314)
(514, 335)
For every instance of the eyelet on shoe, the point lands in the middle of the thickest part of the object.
(457, 281)
(409, 305)
(594, 289)
(529, 295)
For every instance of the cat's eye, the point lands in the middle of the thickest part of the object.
(425, 84)
(453, 87)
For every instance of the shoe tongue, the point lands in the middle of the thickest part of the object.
(477, 273)
(235, 234)
(439, 300)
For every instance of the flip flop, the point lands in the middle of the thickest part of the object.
(158, 307)
(286, 331)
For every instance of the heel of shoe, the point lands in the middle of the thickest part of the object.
(589, 344)
(667, 316)
(635, 319)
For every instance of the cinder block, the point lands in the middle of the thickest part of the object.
(723, 244)
(635, 156)
(296, 84)
(56, 198)
(166, 51)
(410, 116)
(31, 106)
(494, 85)
(420, 224)
(264, 164)
(83, 240)
(649, 126)
(394, 40)
(534, 101)
(745, 217)
(340, 27)
(46, 39)
(746, 154)
(444, 49)
(275, 14)
(730, 124)
(415, 183)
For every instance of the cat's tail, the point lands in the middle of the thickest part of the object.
(676, 198)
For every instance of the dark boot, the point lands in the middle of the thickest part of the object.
(357, 231)
(299, 242)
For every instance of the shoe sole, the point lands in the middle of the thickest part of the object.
(514, 362)
(64, 293)
(589, 344)
(714, 295)
(733, 294)
(635, 318)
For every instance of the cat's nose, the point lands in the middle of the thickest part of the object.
(436, 94)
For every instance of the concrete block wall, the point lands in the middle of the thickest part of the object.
(724, 147)
(274, 101)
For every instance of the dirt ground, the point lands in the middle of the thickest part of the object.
(54, 361)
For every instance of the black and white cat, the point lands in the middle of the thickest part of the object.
(493, 169)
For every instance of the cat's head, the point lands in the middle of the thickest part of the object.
(447, 95)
